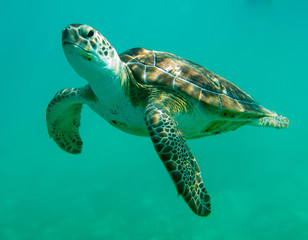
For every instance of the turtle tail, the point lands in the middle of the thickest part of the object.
(277, 121)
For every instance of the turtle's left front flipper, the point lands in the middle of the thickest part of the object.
(178, 159)
(63, 117)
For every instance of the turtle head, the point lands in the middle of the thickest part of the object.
(89, 53)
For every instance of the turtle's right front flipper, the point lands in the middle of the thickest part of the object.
(178, 159)
(63, 117)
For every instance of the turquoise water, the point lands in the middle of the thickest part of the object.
(118, 188)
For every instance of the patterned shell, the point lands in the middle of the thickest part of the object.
(165, 69)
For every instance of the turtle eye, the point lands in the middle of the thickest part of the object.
(90, 34)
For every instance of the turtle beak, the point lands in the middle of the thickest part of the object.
(70, 34)
(80, 35)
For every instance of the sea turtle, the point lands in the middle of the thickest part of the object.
(153, 94)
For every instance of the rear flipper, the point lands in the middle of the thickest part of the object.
(274, 121)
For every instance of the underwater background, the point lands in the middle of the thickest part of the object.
(118, 188)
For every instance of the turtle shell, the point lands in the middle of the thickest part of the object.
(165, 69)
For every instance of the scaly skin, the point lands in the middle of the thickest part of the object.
(178, 159)
(63, 117)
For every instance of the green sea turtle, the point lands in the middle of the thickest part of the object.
(153, 94)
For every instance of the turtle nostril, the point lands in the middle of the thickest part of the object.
(90, 34)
